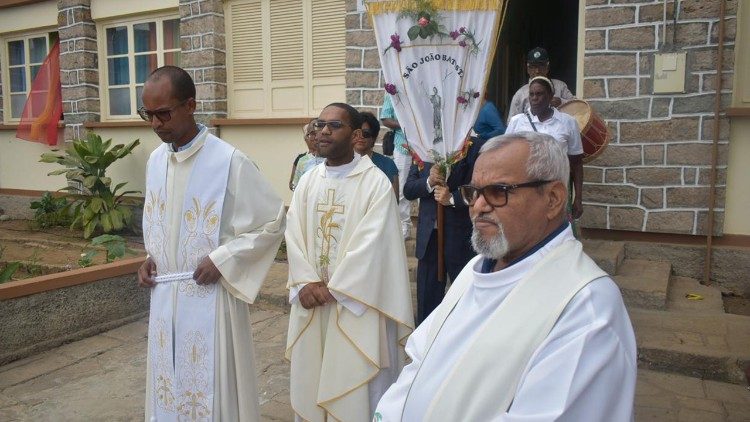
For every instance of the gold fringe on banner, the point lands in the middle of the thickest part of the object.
(388, 6)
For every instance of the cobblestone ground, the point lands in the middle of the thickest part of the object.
(102, 378)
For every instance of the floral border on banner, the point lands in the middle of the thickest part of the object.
(451, 34)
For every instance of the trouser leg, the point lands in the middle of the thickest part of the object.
(403, 162)
(430, 291)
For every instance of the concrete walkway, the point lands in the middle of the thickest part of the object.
(102, 378)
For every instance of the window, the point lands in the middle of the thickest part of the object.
(286, 58)
(131, 51)
(24, 58)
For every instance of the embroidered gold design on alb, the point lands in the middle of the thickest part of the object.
(192, 289)
(201, 223)
(163, 372)
(327, 230)
(155, 232)
(193, 402)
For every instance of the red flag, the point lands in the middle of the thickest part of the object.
(43, 108)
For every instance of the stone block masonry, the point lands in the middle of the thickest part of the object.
(79, 65)
(654, 174)
(203, 37)
(2, 117)
(364, 78)
(661, 142)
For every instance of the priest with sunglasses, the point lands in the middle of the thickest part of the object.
(348, 280)
(532, 329)
(211, 226)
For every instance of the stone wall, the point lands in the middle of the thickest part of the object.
(204, 55)
(38, 322)
(79, 65)
(1, 93)
(654, 176)
(364, 79)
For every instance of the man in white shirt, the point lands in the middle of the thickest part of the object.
(542, 117)
(537, 64)
(531, 329)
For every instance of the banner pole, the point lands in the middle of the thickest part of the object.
(441, 242)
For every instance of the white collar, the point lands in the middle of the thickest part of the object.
(516, 271)
(339, 172)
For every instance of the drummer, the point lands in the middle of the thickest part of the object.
(537, 64)
(542, 117)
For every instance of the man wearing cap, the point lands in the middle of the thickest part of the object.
(537, 64)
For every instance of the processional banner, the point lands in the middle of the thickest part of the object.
(436, 56)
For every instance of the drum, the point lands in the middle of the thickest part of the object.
(594, 132)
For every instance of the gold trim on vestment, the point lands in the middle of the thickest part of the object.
(302, 331)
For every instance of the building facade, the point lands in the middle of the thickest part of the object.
(264, 68)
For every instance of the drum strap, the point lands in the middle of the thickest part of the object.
(530, 122)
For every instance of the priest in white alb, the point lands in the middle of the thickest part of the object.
(532, 329)
(348, 280)
(211, 225)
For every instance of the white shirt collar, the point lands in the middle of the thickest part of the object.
(516, 271)
(339, 172)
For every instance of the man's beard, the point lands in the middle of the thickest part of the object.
(493, 248)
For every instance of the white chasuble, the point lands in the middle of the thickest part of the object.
(346, 232)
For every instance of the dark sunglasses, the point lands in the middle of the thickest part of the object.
(366, 134)
(164, 115)
(333, 124)
(495, 195)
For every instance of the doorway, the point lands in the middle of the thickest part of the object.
(550, 24)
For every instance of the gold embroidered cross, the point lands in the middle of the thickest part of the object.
(331, 205)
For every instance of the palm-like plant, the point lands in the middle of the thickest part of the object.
(96, 205)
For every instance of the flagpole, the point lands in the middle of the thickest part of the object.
(441, 242)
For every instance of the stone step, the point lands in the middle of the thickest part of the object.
(708, 346)
(608, 255)
(680, 291)
(643, 283)
(411, 246)
(412, 262)
(274, 290)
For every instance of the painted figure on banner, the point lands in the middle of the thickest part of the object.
(210, 243)
(437, 115)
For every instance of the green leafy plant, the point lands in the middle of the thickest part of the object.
(114, 245)
(51, 211)
(9, 269)
(426, 20)
(87, 258)
(96, 205)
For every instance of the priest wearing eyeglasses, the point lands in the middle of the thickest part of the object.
(348, 280)
(211, 225)
(532, 329)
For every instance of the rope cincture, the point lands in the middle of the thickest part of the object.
(169, 278)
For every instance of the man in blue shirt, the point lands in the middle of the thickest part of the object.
(364, 145)
(489, 122)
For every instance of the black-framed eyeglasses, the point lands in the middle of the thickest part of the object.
(333, 124)
(164, 115)
(366, 134)
(495, 195)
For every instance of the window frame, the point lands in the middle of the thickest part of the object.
(267, 86)
(6, 66)
(132, 85)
